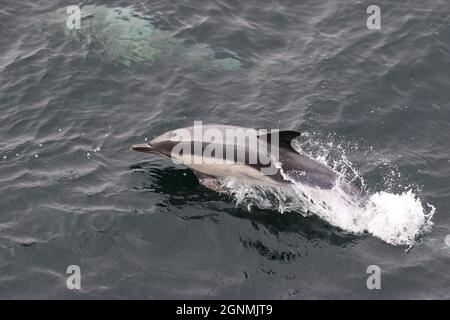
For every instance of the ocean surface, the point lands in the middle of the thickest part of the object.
(373, 104)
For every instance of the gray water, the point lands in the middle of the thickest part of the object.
(72, 192)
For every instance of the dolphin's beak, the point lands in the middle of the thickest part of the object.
(142, 147)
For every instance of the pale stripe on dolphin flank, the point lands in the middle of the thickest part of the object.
(229, 169)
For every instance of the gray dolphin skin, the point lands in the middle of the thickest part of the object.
(196, 154)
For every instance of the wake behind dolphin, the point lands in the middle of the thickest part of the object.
(263, 169)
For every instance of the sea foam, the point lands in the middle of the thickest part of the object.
(398, 218)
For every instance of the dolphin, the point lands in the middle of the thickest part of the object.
(124, 36)
(252, 156)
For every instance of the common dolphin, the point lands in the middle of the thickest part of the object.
(250, 156)
(124, 36)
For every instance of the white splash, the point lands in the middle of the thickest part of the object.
(396, 218)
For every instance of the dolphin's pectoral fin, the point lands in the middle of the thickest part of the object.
(285, 138)
(210, 182)
(202, 176)
(214, 185)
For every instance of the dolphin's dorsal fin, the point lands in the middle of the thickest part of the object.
(285, 138)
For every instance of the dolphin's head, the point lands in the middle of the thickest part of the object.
(160, 144)
(164, 143)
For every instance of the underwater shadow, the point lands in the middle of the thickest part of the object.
(182, 188)
(179, 184)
